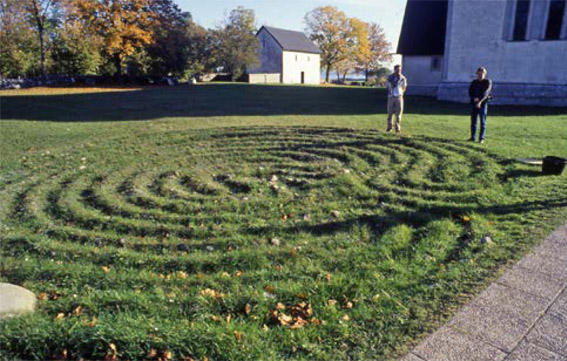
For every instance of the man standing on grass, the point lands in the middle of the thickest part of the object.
(396, 84)
(479, 92)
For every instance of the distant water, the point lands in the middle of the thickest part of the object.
(350, 77)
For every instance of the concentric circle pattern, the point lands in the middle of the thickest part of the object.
(296, 213)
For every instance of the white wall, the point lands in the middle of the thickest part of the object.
(269, 55)
(294, 63)
(478, 33)
(264, 78)
(422, 78)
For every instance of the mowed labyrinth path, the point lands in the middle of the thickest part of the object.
(207, 244)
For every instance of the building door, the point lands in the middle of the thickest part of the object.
(302, 77)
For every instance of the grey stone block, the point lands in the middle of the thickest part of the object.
(15, 300)
(530, 352)
(491, 325)
(559, 307)
(553, 267)
(531, 282)
(554, 246)
(513, 302)
(550, 333)
(411, 357)
(450, 345)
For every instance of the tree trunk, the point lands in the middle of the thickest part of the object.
(118, 65)
(328, 73)
(366, 75)
(338, 76)
(41, 49)
(344, 76)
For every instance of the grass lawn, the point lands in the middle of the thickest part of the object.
(236, 222)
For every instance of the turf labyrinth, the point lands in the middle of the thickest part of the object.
(192, 246)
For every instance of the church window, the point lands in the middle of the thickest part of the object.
(521, 20)
(555, 19)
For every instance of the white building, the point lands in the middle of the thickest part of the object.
(287, 57)
(522, 43)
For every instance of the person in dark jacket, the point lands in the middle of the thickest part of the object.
(479, 93)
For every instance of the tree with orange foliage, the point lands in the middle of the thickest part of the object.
(378, 50)
(329, 28)
(357, 50)
(124, 25)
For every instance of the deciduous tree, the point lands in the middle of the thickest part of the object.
(329, 28)
(19, 46)
(378, 50)
(124, 25)
(234, 45)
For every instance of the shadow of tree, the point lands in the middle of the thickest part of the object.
(226, 100)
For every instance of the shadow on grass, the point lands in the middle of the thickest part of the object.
(227, 100)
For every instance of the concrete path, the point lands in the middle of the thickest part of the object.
(520, 317)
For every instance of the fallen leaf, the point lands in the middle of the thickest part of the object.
(278, 268)
(331, 302)
(181, 274)
(247, 309)
(228, 318)
(42, 296)
(237, 335)
(265, 328)
(327, 277)
(348, 305)
(225, 275)
(105, 269)
(92, 322)
(216, 318)
(345, 318)
(167, 355)
(336, 214)
(270, 289)
(60, 316)
(211, 293)
(77, 311)
(280, 306)
(152, 353)
(238, 273)
(466, 219)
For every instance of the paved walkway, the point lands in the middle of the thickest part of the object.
(520, 317)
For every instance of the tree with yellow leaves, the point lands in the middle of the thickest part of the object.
(378, 50)
(329, 28)
(357, 49)
(124, 25)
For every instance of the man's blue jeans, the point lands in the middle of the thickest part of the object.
(475, 114)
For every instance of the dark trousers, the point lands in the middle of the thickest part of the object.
(475, 114)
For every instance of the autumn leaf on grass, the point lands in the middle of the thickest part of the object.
(60, 316)
(42, 296)
(77, 311)
(466, 219)
(237, 335)
(327, 277)
(211, 293)
(247, 309)
(238, 273)
(105, 269)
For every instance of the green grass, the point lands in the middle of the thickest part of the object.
(135, 205)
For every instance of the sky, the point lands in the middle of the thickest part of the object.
(289, 14)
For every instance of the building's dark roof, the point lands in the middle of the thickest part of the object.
(424, 28)
(292, 40)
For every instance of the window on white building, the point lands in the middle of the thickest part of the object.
(521, 17)
(436, 62)
(555, 19)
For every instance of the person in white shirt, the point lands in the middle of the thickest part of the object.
(396, 85)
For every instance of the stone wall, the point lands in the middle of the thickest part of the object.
(269, 55)
(509, 93)
(479, 34)
(264, 78)
(423, 77)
